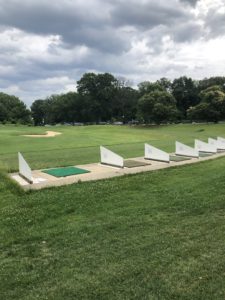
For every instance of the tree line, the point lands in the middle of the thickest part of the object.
(104, 98)
(13, 110)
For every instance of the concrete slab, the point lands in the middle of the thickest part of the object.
(99, 171)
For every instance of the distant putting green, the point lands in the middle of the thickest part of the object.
(64, 172)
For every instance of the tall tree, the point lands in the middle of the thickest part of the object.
(212, 81)
(12, 109)
(101, 90)
(212, 106)
(165, 83)
(125, 104)
(185, 92)
(3, 113)
(38, 112)
(158, 107)
(147, 87)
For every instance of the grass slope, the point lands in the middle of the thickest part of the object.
(79, 145)
(156, 235)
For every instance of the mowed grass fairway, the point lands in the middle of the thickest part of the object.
(79, 145)
(155, 235)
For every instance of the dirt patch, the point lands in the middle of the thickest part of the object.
(48, 134)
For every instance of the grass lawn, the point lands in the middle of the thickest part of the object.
(156, 235)
(80, 145)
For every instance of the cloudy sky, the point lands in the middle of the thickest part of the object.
(46, 46)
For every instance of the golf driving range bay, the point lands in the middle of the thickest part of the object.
(153, 235)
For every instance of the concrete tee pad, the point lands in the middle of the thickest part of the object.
(99, 171)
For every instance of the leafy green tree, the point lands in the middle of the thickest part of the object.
(12, 109)
(101, 90)
(125, 104)
(3, 113)
(72, 107)
(38, 112)
(87, 85)
(63, 108)
(165, 83)
(212, 81)
(54, 109)
(158, 107)
(147, 87)
(212, 106)
(185, 92)
(203, 112)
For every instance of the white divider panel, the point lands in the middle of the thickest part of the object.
(110, 158)
(222, 142)
(156, 154)
(205, 147)
(182, 149)
(24, 169)
(217, 143)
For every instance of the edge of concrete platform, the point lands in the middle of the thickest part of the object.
(100, 172)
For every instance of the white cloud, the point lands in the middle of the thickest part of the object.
(45, 47)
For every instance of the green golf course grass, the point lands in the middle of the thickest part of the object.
(80, 144)
(155, 235)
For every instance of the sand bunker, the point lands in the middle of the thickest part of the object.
(48, 134)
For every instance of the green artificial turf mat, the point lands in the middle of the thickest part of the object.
(205, 154)
(133, 163)
(178, 158)
(63, 172)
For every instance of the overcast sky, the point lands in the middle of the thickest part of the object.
(46, 46)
